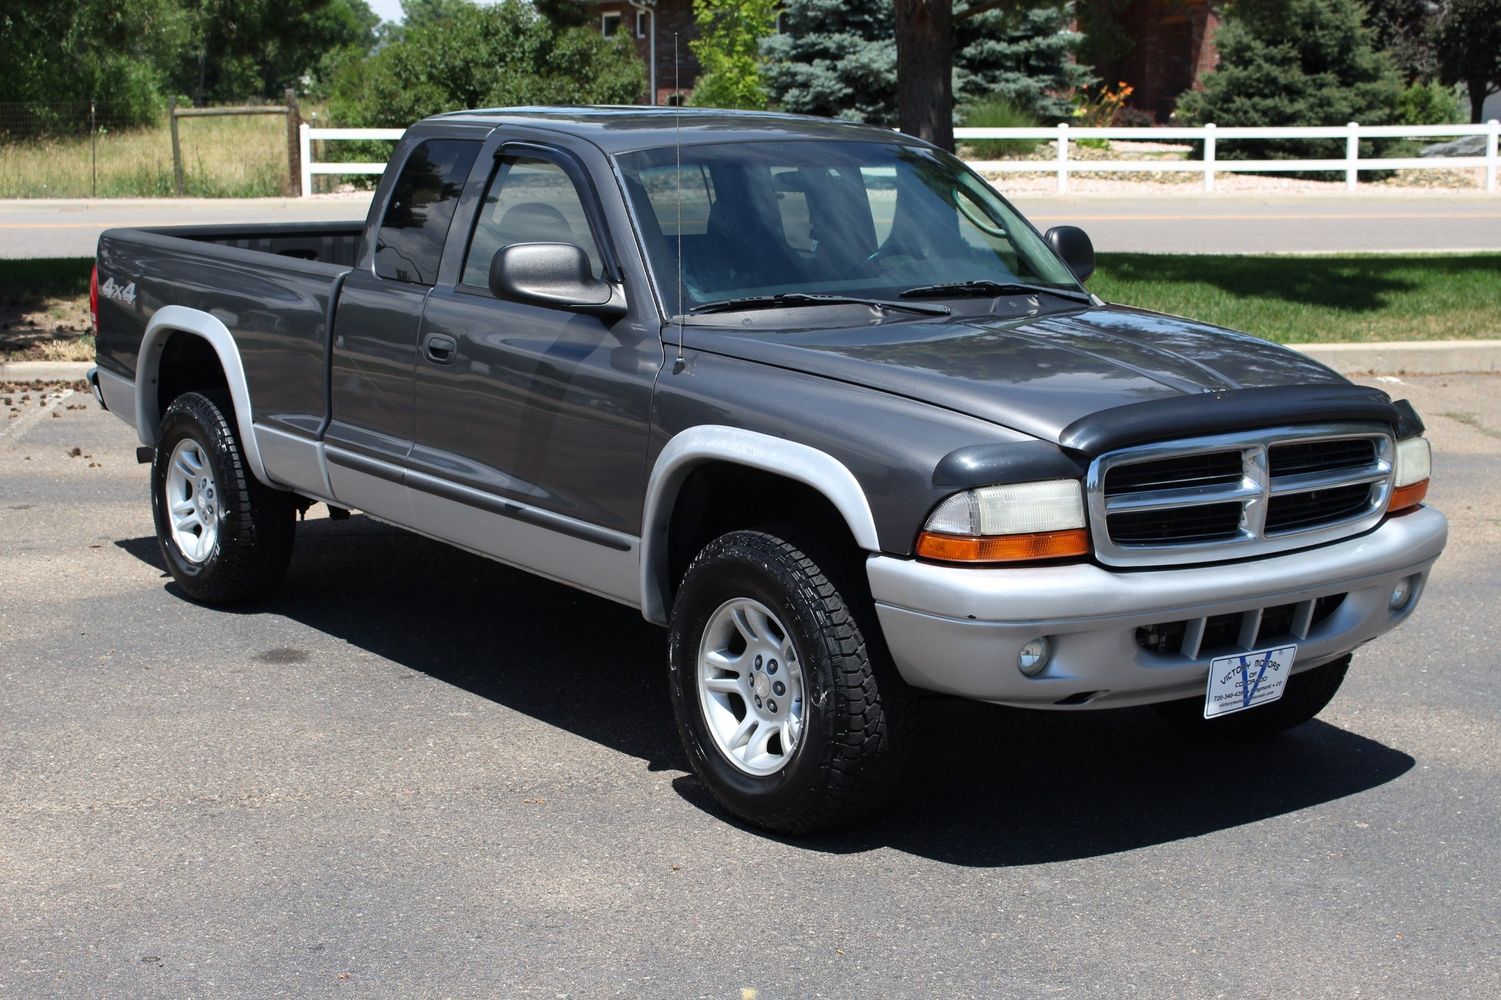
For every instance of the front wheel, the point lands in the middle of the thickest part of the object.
(785, 701)
(225, 536)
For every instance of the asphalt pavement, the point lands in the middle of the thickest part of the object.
(415, 773)
(1159, 223)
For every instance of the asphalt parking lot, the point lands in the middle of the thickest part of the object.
(415, 773)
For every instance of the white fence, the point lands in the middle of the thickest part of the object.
(1210, 165)
(1211, 136)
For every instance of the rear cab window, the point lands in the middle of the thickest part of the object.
(409, 242)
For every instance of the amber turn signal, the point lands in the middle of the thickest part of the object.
(1407, 497)
(1003, 548)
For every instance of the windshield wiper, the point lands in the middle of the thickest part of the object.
(987, 287)
(813, 299)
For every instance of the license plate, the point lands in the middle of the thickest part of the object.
(1246, 680)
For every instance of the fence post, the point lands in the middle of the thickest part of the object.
(1209, 155)
(93, 151)
(1352, 154)
(1491, 157)
(176, 148)
(305, 158)
(294, 147)
(1063, 157)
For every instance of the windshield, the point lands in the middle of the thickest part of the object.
(848, 218)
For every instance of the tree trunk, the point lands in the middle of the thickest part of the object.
(1477, 98)
(925, 69)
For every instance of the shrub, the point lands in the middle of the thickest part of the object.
(1428, 104)
(996, 111)
(1294, 62)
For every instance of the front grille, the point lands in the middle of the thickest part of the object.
(1233, 496)
(1218, 520)
(1304, 510)
(1218, 635)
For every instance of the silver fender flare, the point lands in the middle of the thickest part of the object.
(715, 443)
(180, 319)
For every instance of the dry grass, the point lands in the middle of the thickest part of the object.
(44, 310)
(238, 157)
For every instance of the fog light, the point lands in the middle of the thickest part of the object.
(1033, 657)
(1401, 593)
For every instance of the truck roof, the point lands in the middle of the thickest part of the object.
(631, 127)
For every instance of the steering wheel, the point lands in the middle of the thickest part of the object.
(895, 250)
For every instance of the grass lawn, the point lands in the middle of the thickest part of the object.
(1305, 299)
(44, 309)
(237, 157)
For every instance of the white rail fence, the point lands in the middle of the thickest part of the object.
(1351, 164)
(1211, 136)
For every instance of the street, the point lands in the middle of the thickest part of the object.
(417, 773)
(1157, 223)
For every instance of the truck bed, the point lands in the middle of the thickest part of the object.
(273, 286)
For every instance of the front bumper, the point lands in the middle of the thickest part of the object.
(958, 630)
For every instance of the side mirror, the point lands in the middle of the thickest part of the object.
(1072, 245)
(555, 275)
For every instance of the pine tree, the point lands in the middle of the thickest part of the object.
(1294, 62)
(838, 58)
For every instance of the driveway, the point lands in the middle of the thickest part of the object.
(415, 773)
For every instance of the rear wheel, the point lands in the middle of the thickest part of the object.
(1307, 695)
(225, 536)
(785, 701)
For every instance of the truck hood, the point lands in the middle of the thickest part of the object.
(1037, 375)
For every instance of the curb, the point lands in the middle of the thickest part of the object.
(44, 371)
(1433, 357)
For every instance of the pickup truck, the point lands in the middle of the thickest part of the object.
(812, 395)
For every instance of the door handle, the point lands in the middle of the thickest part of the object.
(440, 349)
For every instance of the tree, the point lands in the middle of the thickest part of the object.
(113, 50)
(1026, 57)
(475, 57)
(836, 58)
(241, 48)
(924, 69)
(1469, 49)
(1403, 29)
(728, 48)
(1327, 72)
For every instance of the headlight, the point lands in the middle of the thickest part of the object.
(1410, 479)
(1008, 523)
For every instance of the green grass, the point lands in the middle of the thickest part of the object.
(44, 310)
(233, 157)
(1303, 299)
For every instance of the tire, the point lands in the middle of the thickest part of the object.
(841, 702)
(231, 540)
(1306, 696)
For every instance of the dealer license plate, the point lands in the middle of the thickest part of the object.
(1246, 680)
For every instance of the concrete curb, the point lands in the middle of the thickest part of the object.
(1434, 357)
(43, 371)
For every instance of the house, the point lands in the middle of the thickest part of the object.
(652, 25)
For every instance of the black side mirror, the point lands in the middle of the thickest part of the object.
(553, 274)
(1072, 244)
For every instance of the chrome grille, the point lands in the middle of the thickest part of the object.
(1237, 495)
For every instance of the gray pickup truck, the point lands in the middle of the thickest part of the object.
(812, 395)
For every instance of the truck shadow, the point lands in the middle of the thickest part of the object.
(991, 786)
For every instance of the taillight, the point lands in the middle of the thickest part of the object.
(94, 298)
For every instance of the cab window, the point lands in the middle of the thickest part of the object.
(528, 201)
(409, 242)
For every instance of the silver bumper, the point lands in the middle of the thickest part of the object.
(958, 630)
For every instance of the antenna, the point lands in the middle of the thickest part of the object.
(677, 136)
